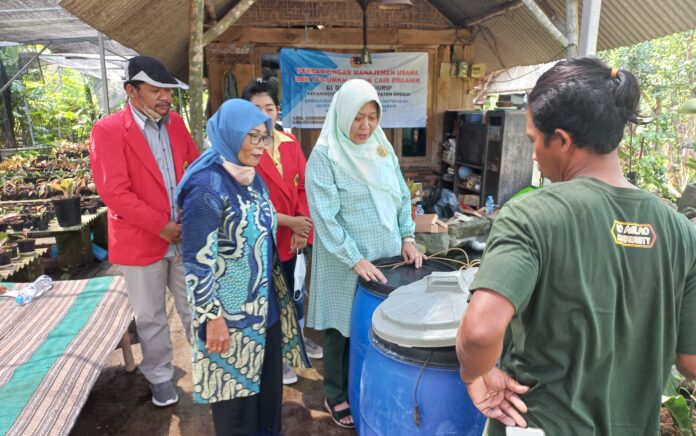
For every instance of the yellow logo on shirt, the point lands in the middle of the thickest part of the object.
(633, 234)
(297, 180)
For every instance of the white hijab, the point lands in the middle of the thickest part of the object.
(373, 162)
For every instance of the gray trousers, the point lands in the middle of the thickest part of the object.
(147, 287)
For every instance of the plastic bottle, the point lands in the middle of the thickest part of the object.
(33, 290)
(419, 209)
(490, 205)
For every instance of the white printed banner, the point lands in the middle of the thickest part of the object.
(310, 78)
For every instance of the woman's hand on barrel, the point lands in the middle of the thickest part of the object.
(365, 269)
(301, 225)
(411, 254)
(496, 395)
(217, 336)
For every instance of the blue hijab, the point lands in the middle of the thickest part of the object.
(226, 130)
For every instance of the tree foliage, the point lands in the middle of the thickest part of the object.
(662, 153)
(59, 101)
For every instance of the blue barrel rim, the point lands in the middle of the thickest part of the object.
(382, 290)
(435, 357)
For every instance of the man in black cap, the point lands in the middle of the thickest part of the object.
(138, 155)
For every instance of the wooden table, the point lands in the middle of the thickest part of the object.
(53, 349)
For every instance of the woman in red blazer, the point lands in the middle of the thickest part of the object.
(282, 167)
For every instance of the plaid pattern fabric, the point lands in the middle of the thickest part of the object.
(347, 229)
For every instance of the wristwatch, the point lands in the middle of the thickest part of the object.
(408, 239)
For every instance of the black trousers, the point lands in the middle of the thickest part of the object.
(261, 413)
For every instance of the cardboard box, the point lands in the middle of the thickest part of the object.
(430, 223)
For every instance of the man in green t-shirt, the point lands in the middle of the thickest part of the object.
(594, 279)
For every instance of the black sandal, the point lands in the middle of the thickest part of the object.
(338, 415)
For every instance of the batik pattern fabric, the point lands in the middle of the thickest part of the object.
(231, 271)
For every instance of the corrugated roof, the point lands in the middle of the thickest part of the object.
(521, 41)
(160, 27)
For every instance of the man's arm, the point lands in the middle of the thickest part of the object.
(479, 345)
(481, 333)
(686, 364)
(110, 174)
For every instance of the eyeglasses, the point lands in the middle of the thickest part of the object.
(255, 138)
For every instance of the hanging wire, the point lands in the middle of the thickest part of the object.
(464, 265)
(416, 410)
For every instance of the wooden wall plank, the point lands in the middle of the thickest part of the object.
(343, 37)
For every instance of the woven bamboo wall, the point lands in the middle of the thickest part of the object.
(340, 13)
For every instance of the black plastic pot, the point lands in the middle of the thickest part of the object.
(41, 223)
(17, 226)
(5, 257)
(26, 245)
(12, 249)
(67, 211)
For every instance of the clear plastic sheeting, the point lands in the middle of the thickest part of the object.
(73, 43)
(89, 64)
(41, 21)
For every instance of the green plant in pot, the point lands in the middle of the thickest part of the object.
(40, 218)
(67, 207)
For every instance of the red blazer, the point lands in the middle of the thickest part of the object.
(130, 184)
(287, 191)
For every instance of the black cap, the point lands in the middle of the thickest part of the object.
(151, 71)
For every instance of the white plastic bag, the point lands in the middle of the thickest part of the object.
(300, 273)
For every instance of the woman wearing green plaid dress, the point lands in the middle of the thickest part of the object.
(361, 209)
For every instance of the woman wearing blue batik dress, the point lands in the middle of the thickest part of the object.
(361, 210)
(244, 319)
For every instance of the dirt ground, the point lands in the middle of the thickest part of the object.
(120, 403)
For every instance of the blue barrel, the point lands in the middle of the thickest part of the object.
(368, 296)
(396, 379)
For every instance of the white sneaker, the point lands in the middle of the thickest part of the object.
(313, 350)
(289, 376)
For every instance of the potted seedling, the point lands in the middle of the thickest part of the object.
(41, 218)
(5, 221)
(67, 207)
(25, 244)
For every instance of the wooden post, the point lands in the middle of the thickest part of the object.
(572, 28)
(196, 71)
(228, 20)
(128, 359)
(545, 22)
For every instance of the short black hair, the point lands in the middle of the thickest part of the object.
(258, 87)
(589, 100)
(134, 83)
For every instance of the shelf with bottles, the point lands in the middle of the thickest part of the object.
(468, 177)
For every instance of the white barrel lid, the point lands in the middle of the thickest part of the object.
(425, 313)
